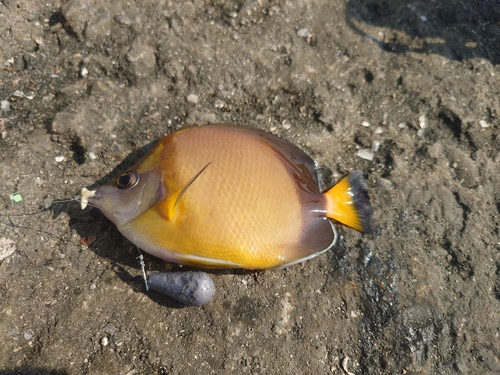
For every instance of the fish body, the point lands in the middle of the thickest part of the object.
(223, 196)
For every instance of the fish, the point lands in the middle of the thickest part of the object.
(227, 196)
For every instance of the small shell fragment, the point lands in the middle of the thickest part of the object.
(365, 153)
(7, 248)
(84, 72)
(483, 124)
(104, 341)
(190, 288)
(84, 198)
(422, 120)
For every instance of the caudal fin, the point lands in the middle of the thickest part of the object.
(348, 203)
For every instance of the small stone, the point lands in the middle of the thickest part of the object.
(286, 125)
(422, 120)
(365, 124)
(375, 146)
(59, 159)
(219, 103)
(104, 341)
(365, 153)
(18, 94)
(192, 98)
(5, 105)
(110, 329)
(47, 203)
(483, 124)
(117, 147)
(28, 335)
(385, 184)
(92, 156)
(7, 248)
(84, 72)
(379, 130)
(303, 33)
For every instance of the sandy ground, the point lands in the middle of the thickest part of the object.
(412, 85)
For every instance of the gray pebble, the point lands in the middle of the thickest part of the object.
(110, 329)
(5, 105)
(190, 288)
(384, 184)
(192, 98)
(28, 334)
(304, 33)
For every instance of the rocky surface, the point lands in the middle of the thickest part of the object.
(406, 91)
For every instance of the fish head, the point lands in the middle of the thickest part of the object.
(127, 196)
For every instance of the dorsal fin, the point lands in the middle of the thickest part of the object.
(169, 210)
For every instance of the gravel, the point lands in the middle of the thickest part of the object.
(96, 81)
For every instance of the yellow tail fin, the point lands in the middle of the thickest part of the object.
(348, 203)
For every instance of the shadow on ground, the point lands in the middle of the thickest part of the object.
(461, 31)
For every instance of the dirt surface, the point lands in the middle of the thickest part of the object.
(415, 86)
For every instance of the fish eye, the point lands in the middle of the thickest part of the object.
(127, 180)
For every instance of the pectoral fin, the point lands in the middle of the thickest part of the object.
(168, 208)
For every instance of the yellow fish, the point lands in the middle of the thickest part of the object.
(224, 196)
